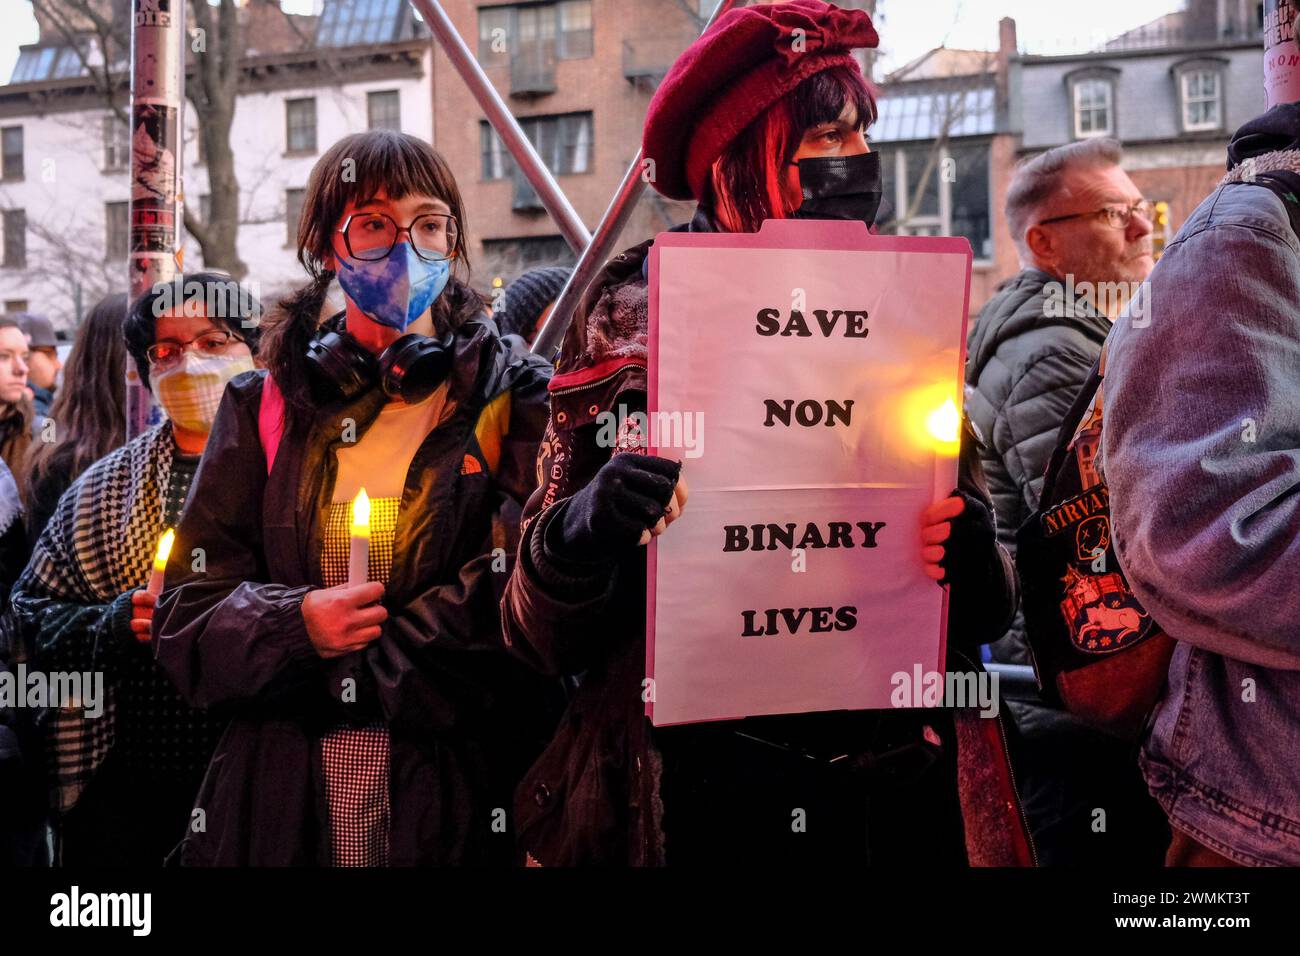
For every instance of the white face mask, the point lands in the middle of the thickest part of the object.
(190, 392)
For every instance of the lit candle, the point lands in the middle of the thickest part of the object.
(359, 540)
(944, 426)
(160, 561)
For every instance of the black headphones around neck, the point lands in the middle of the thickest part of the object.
(341, 368)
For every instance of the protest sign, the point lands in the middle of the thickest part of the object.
(809, 376)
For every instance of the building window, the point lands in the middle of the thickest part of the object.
(117, 144)
(300, 125)
(11, 166)
(15, 305)
(494, 35)
(1093, 111)
(205, 207)
(941, 192)
(384, 109)
(117, 231)
(14, 224)
(537, 31)
(575, 30)
(564, 143)
(1202, 99)
(292, 213)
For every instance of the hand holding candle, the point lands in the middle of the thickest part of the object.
(359, 540)
(143, 601)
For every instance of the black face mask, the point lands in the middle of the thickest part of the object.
(840, 187)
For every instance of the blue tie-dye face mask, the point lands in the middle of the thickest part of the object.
(396, 290)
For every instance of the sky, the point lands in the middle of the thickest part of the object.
(908, 27)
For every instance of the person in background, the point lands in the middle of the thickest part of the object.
(88, 412)
(1083, 231)
(16, 410)
(23, 803)
(42, 364)
(1201, 449)
(124, 782)
(527, 303)
(751, 129)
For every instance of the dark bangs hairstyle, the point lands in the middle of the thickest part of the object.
(88, 407)
(746, 183)
(358, 167)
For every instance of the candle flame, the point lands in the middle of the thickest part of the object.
(944, 423)
(164, 549)
(361, 514)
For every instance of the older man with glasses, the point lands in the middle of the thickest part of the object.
(1083, 232)
(124, 781)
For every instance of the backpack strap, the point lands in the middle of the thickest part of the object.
(270, 419)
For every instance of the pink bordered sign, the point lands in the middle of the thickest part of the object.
(809, 377)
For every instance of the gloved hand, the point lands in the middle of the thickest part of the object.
(627, 497)
(958, 541)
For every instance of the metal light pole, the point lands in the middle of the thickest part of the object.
(157, 97)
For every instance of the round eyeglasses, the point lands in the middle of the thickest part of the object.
(370, 236)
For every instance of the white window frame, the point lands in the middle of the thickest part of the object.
(1077, 109)
(1187, 100)
(929, 225)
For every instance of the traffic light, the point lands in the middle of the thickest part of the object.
(1160, 234)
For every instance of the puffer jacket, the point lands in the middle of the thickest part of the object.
(464, 715)
(1025, 364)
(613, 790)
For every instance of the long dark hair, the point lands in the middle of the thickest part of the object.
(746, 184)
(88, 410)
(357, 167)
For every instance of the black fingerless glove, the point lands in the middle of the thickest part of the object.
(971, 548)
(628, 495)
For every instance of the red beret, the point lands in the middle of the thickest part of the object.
(745, 62)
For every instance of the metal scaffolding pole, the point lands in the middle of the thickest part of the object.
(507, 127)
(593, 257)
(157, 98)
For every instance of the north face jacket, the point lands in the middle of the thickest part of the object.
(464, 715)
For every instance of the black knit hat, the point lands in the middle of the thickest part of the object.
(527, 296)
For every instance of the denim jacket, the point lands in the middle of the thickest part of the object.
(1201, 450)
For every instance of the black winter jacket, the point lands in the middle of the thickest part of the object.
(611, 789)
(464, 715)
(1025, 363)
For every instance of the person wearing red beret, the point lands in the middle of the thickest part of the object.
(762, 117)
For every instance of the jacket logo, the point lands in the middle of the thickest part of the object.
(1101, 612)
(471, 466)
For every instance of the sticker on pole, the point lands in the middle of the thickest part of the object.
(809, 377)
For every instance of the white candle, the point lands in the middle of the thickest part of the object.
(359, 540)
(160, 562)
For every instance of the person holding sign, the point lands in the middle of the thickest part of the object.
(378, 719)
(762, 118)
(125, 781)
